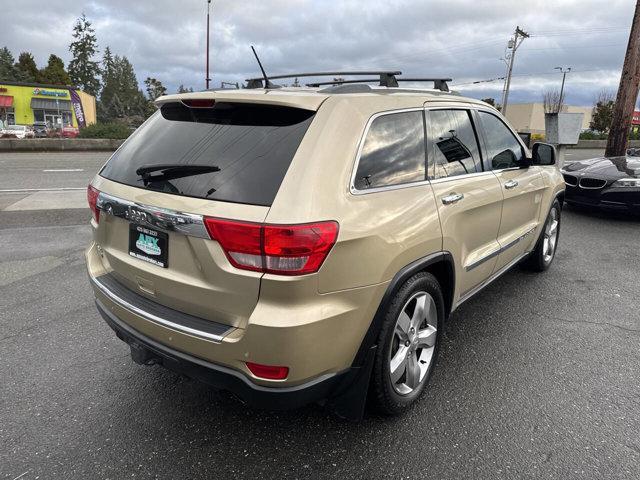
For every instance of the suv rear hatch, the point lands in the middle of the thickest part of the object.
(192, 160)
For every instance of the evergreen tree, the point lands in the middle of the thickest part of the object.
(54, 73)
(108, 107)
(8, 71)
(84, 71)
(155, 88)
(26, 68)
(121, 99)
(603, 112)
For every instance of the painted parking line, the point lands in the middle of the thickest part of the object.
(64, 170)
(50, 200)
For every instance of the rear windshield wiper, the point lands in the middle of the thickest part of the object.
(171, 171)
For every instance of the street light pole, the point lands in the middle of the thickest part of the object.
(564, 76)
(207, 79)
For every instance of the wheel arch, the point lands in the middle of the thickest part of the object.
(349, 398)
(440, 265)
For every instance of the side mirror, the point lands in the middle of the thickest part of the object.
(543, 154)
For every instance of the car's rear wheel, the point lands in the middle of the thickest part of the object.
(408, 344)
(545, 251)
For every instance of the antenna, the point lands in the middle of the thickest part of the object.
(267, 83)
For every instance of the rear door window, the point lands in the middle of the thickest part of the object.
(252, 146)
(453, 144)
(393, 152)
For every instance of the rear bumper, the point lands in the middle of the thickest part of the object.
(147, 351)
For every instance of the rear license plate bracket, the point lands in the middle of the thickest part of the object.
(149, 245)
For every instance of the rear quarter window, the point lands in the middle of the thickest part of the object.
(252, 145)
(393, 152)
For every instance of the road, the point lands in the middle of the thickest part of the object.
(538, 378)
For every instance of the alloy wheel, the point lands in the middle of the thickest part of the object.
(550, 235)
(413, 343)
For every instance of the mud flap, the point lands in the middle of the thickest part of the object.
(350, 399)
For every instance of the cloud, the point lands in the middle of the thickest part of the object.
(458, 38)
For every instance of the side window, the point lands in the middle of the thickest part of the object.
(393, 152)
(453, 143)
(503, 149)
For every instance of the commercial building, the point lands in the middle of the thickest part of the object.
(57, 106)
(529, 117)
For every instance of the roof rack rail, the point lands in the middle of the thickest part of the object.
(438, 83)
(387, 78)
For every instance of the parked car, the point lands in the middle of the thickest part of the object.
(40, 130)
(14, 131)
(612, 182)
(309, 244)
(69, 132)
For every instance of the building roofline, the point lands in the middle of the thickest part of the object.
(44, 85)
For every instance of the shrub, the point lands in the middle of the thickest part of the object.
(115, 130)
(592, 135)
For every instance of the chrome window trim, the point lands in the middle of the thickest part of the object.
(352, 188)
(154, 318)
(435, 181)
(155, 217)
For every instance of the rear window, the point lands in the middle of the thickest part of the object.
(252, 146)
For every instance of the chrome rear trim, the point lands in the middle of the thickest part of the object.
(159, 314)
(154, 217)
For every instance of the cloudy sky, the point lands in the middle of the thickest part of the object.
(464, 39)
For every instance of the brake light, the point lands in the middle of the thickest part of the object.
(199, 103)
(280, 249)
(268, 372)
(92, 198)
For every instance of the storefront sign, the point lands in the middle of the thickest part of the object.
(49, 93)
(77, 108)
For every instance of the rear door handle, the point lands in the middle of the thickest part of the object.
(452, 198)
(511, 184)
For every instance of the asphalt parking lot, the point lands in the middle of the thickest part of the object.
(538, 375)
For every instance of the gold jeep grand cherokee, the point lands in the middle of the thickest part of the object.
(294, 245)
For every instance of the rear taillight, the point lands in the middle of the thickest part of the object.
(92, 198)
(279, 249)
(268, 372)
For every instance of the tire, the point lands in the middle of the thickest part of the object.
(545, 251)
(393, 396)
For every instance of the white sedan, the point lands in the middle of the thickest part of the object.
(20, 131)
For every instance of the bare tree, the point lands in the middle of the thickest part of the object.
(552, 101)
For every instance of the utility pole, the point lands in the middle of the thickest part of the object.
(627, 93)
(513, 45)
(564, 76)
(207, 79)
